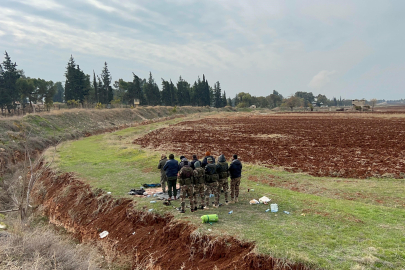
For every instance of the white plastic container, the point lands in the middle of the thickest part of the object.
(103, 234)
(274, 208)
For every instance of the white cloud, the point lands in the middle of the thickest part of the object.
(321, 79)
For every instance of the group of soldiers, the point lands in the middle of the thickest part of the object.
(198, 180)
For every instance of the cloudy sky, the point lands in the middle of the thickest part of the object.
(353, 49)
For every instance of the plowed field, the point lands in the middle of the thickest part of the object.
(322, 145)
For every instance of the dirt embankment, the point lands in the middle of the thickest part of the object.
(39, 131)
(141, 235)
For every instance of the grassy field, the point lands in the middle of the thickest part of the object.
(333, 223)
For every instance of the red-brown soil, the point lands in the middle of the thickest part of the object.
(136, 234)
(322, 145)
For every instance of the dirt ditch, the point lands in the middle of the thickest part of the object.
(324, 145)
(140, 235)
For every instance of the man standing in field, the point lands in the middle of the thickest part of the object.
(211, 183)
(186, 184)
(171, 168)
(235, 171)
(205, 160)
(163, 177)
(195, 159)
(222, 170)
(199, 185)
(181, 163)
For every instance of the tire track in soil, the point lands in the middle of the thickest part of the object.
(86, 212)
(319, 145)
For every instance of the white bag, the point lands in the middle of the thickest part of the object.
(264, 200)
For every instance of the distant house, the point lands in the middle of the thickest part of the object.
(358, 103)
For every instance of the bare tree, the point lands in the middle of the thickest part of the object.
(19, 187)
(373, 103)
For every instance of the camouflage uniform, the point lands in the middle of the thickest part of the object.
(163, 177)
(222, 170)
(199, 185)
(186, 183)
(211, 183)
(235, 182)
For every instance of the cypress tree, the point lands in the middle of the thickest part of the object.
(95, 86)
(223, 100)
(106, 89)
(9, 92)
(101, 93)
(152, 92)
(70, 79)
(60, 92)
(183, 90)
(217, 96)
(173, 94)
(166, 93)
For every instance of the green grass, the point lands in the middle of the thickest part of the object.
(329, 224)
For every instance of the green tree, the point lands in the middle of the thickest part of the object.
(308, 97)
(229, 102)
(223, 100)
(152, 92)
(70, 83)
(138, 93)
(183, 92)
(9, 74)
(106, 89)
(95, 88)
(322, 100)
(274, 99)
(173, 94)
(217, 95)
(27, 89)
(205, 91)
(77, 84)
(166, 94)
(60, 92)
(293, 101)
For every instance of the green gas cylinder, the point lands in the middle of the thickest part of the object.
(209, 218)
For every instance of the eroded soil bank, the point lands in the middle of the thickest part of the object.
(141, 235)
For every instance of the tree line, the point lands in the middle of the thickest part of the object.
(100, 89)
(16, 88)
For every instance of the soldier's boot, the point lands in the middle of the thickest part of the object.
(215, 206)
(236, 199)
(183, 207)
(206, 207)
(226, 203)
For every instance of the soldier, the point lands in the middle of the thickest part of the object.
(222, 170)
(195, 159)
(163, 177)
(199, 185)
(205, 160)
(235, 171)
(186, 184)
(171, 168)
(211, 183)
(181, 163)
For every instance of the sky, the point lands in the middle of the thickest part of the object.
(349, 49)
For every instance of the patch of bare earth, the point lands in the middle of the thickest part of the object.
(350, 147)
